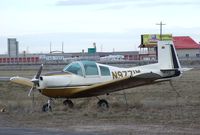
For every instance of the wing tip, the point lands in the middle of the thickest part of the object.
(14, 78)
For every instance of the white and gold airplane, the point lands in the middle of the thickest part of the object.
(87, 78)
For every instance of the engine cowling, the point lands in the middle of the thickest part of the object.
(53, 81)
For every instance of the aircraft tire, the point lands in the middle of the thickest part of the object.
(46, 108)
(68, 103)
(103, 104)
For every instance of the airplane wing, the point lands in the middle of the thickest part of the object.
(116, 85)
(22, 81)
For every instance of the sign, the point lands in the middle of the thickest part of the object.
(91, 50)
(150, 40)
(51, 58)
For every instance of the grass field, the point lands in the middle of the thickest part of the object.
(152, 109)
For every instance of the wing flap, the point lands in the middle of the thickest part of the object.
(21, 81)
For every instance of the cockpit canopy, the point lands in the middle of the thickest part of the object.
(86, 68)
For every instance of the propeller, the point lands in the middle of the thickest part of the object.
(35, 80)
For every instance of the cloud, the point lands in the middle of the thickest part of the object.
(119, 4)
(169, 3)
(88, 2)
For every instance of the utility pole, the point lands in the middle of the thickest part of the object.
(50, 48)
(161, 24)
(156, 48)
(62, 47)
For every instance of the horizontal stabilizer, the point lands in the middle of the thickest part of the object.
(186, 69)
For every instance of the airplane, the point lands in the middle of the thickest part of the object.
(82, 79)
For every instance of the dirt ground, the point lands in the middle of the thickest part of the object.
(152, 109)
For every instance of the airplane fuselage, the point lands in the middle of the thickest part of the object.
(65, 84)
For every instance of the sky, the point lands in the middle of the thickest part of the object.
(111, 24)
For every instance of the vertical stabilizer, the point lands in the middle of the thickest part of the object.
(167, 57)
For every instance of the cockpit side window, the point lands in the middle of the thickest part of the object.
(104, 71)
(90, 68)
(74, 68)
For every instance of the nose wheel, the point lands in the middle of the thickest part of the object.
(47, 107)
(103, 104)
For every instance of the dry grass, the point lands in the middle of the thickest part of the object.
(156, 104)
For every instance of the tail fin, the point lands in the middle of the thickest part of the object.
(167, 56)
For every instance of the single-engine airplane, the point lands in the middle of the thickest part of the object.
(87, 78)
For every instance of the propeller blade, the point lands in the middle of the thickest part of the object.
(39, 72)
(30, 91)
(33, 101)
(35, 80)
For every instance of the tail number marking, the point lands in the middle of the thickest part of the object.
(121, 74)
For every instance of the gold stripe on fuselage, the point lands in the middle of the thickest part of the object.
(66, 92)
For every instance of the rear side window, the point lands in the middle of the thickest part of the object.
(104, 71)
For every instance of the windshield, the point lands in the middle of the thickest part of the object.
(82, 68)
(74, 68)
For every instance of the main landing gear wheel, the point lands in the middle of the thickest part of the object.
(103, 104)
(68, 103)
(46, 108)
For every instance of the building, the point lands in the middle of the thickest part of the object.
(186, 47)
(13, 49)
(127, 55)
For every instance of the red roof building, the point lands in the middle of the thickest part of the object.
(185, 42)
